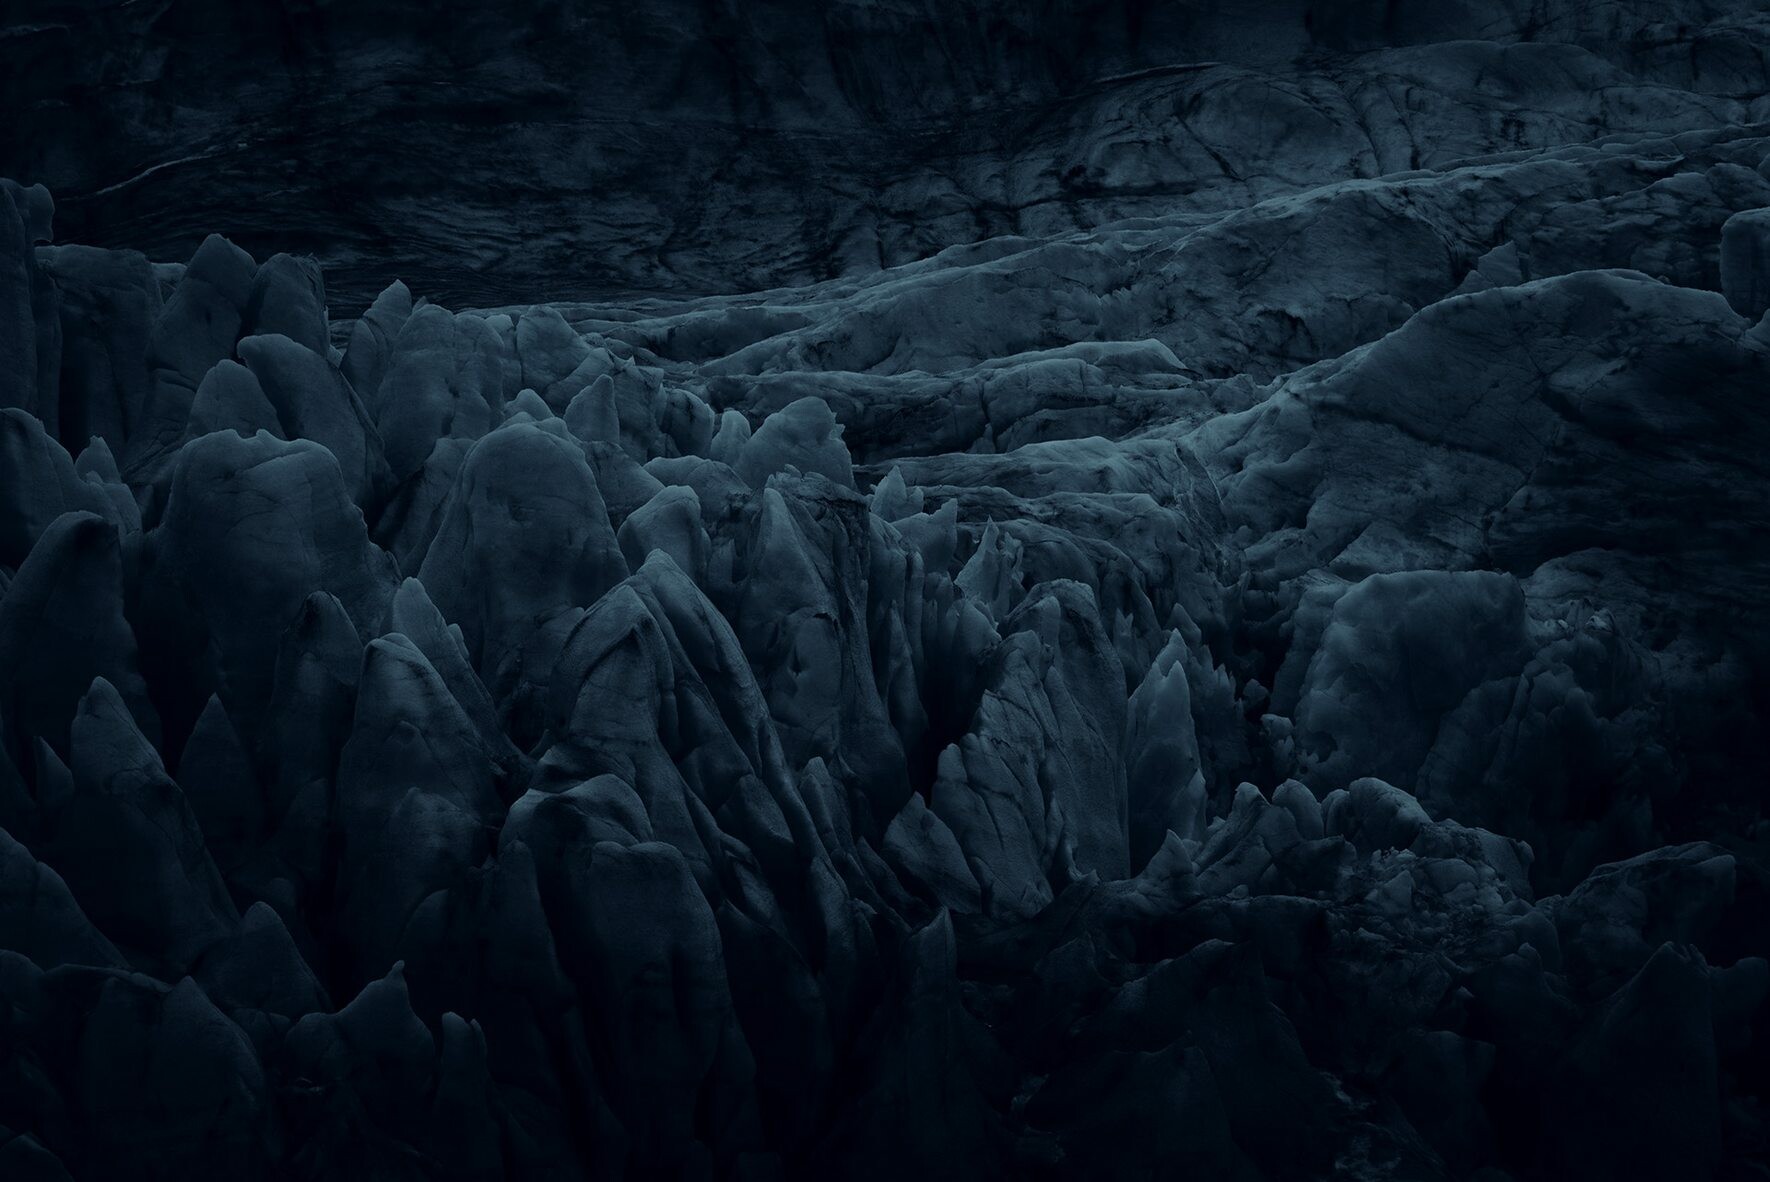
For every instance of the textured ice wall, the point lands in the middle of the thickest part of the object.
(547, 149)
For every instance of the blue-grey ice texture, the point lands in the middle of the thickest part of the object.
(1061, 590)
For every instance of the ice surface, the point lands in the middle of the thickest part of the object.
(1211, 627)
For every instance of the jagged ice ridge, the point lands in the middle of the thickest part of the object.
(1271, 690)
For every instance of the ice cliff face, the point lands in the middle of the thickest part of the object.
(1257, 673)
(563, 148)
